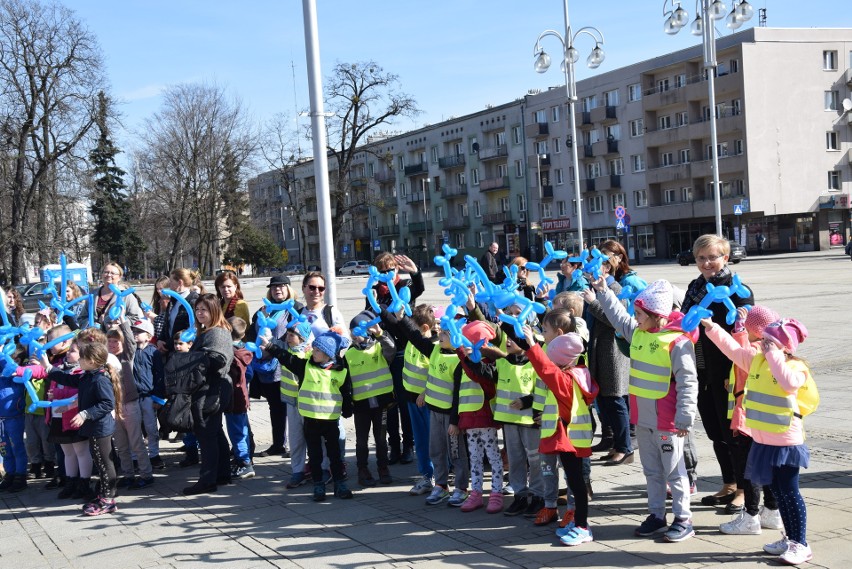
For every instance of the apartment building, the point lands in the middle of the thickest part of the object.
(643, 135)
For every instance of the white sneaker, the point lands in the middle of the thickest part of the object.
(742, 524)
(458, 498)
(770, 519)
(796, 553)
(423, 486)
(777, 547)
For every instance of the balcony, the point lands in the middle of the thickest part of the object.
(490, 184)
(603, 147)
(588, 151)
(586, 118)
(664, 136)
(665, 174)
(609, 182)
(417, 197)
(362, 233)
(417, 227)
(537, 130)
(589, 184)
(495, 218)
(661, 99)
(493, 152)
(454, 191)
(727, 165)
(358, 182)
(605, 114)
(385, 177)
(539, 160)
(725, 124)
(448, 162)
(456, 222)
(546, 191)
(417, 169)
(387, 230)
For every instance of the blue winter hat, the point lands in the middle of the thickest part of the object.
(302, 329)
(363, 316)
(331, 344)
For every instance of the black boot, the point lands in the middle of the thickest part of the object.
(6, 483)
(83, 490)
(606, 441)
(70, 489)
(35, 471)
(19, 483)
(49, 468)
(56, 482)
(191, 458)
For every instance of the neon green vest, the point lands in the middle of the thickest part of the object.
(767, 407)
(319, 395)
(471, 396)
(415, 369)
(513, 382)
(289, 386)
(651, 363)
(579, 429)
(369, 372)
(439, 381)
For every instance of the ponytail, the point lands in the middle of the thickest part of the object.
(115, 379)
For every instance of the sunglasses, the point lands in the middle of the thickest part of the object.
(316, 288)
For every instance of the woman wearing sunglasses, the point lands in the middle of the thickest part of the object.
(321, 316)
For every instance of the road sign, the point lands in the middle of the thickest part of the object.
(377, 245)
(627, 219)
(345, 249)
(738, 209)
(620, 212)
(620, 224)
(746, 205)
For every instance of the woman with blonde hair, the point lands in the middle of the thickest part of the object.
(177, 319)
(105, 298)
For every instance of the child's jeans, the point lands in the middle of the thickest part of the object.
(661, 453)
(12, 444)
(374, 419)
(296, 430)
(149, 419)
(39, 450)
(444, 448)
(524, 460)
(420, 427)
(238, 432)
(128, 438)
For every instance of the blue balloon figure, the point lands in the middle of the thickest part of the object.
(189, 334)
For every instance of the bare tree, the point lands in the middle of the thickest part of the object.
(50, 74)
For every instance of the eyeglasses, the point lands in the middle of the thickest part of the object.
(708, 259)
(315, 288)
(110, 273)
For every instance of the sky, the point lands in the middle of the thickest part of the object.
(453, 56)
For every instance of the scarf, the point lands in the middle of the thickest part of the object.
(698, 288)
(229, 311)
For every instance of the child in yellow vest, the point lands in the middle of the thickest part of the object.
(772, 413)
(298, 340)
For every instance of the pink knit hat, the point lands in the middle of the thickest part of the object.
(657, 298)
(565, 349)
(787, 332)
(478, 330)
(759, 317)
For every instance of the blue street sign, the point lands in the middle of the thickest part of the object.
(738, 209)
(745, 205)
(620, 224)
(345, 249)
(377, 244)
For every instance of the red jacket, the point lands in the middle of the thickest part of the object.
(242, 359)
(482, 418)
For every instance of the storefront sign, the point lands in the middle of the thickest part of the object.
(555, 224)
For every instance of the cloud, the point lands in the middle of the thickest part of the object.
(146, 92)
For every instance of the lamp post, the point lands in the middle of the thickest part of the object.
(704, 26)
(570, 55)
(425, 187)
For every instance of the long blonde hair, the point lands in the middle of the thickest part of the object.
(93, 347)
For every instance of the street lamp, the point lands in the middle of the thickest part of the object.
(425, 188)
(710, 10)
(570, 55)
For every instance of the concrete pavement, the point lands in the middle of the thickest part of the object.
(258, 523)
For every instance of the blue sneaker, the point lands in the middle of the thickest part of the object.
(438, 495)
(679, 531)
(296, 480)
(562, 532)
(141, 482)
(577, 536)
(651, 526)
(458, 498)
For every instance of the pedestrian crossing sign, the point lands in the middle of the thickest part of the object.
(620, 224)
(738, 209)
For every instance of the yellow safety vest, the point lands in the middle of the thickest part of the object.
(471, 396)
(439, 381)
(513, 382)
(415, 369)
(651, 363)
(580, 427)
(319, 395)
(540, 392)
(289, 385)
(369, 372)
(767, 407)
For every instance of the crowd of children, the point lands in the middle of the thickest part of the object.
(532, 390)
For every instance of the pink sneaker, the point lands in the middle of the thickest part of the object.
(495, 503)
(473, 502)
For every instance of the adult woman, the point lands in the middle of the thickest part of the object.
(267, 371)
(711, 255)
(81, 309)
(321, 316)
(14, 306)
(622, 272)
(177, 319)
(228, 290)
(159, 307)
(527, 289)
(214, 396)
(565, 279)
(611, 369)
(105, 298)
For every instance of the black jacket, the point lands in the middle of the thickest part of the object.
(95, 396)
(181, 320)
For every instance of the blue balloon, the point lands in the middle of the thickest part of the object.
(189, 334)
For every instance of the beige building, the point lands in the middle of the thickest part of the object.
(505, 173)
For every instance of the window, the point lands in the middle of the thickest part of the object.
(460, 178)
(457, 149)
(616, 200)
(370, 169)
(404, 218)
(638, 162)
(541, 147)
(522, 203)
(645, 241)
(611, 98)
(434, 153)
(292, 233)
(500, 138)
(831, 141)
(474, 145)
(680, 81)
(559, 177)
(637, 128)
(589, 103)
(613, 132)
(546, 210)
(634, 92)
(502, 170)
(720, 110)
(517, 138)
(682, 118)
(422, 156)
(734, 65)
(684, 156)
(463, 210)
(459, 239)
(616, 167)
(540, 116)
(738, 147)
(593, 170)
(736, 107)
(640, 198)
(519, 168)
(504, 205)
(666, 159)
(403, 190)
(594, 136)
(595, 204)
(834, 180)
(554, 114)
(439, 213)
(686, 194)
(664, 122)
(829, 60)
(831, 100)
(561, 209)
(477, 211)
(663, 85)
(573, 207)
(400, 161)
(721, 149)
(480, 239)
(670, 196)
(474, 176)
(557, 146)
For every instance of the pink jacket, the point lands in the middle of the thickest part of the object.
(789, 380)
(58, 392)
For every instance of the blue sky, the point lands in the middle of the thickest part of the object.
(454, 57)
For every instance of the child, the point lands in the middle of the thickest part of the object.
(566, 419)
(372, 394)
(148, 373)
(190, 442)
(99, 395)
(663, 394)
(128, 430)
(41, 452)
(237, 419)
(325, 394)
(12, 402)
(775, 376)
(574, 304)
(298, 338)
(471, 413)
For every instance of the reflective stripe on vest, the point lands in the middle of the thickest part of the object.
(651, 363)
(414, 370)
(767, 407)
(471, 396)
(513, 382)
(539, 394)
(369, 372)
(549, 416)
(580, 428)
(439, 381)
(319, 395)
(289, 386)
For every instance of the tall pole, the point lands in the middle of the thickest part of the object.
(318, 134)
(571, 91)
(425, 222)
(710, 68)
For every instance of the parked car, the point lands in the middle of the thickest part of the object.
(355, 268)
(294, 270)
(738, 253)
(32, 293)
